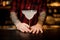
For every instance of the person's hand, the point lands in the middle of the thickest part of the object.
(36, 29)
(23, 27)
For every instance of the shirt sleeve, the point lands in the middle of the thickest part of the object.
(13, 6)
(44, 5)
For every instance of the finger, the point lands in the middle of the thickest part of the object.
(31, 30)
(37, 31)
(21, 30)
(26, 29)
(27, 25)
(41, 30)
(34, 30)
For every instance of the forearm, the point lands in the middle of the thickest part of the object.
(14, 18)
(41, 17)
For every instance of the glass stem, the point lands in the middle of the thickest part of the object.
(29, 22)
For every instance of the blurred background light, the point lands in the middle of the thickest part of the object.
(55, 10)
(4, 3)
(7, 2)
(55, 4)
(55, 26)
(50, 11)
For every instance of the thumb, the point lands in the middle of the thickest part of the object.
(27, 25)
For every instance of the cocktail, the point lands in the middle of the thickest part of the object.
(29, 14)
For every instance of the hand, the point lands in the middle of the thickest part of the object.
(23, 27)
(36, 28)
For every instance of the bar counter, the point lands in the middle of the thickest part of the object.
(48, 34)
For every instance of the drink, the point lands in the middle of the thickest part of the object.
(29, 14)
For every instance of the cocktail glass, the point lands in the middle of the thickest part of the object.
(29, 14)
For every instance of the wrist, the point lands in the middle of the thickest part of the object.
(17, 23)
(39, 23)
